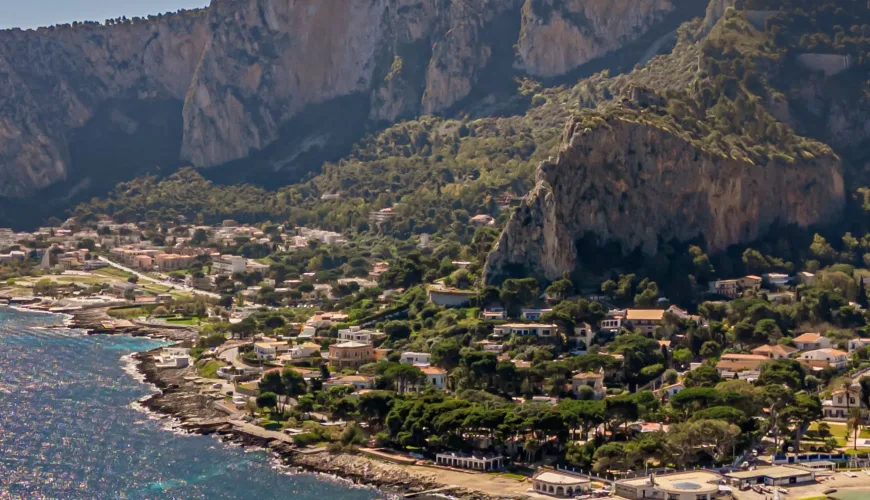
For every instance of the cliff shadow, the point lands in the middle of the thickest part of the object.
(124, 139)
(320, 133)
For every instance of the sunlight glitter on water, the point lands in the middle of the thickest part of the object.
(70, 427)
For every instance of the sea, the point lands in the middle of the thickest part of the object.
(71, 428)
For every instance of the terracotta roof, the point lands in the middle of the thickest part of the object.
(734, 357)
(807, 337)
(431, 370)
(644, 314)
(781, 349)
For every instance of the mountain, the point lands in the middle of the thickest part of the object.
(88, 105)
(759, 118)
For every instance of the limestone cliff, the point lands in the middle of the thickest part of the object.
(560, 35)
(637, 185)
(241, 69)
(53, 80)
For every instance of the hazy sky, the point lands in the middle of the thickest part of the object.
(36, 13)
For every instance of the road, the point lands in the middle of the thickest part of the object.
(167, 283)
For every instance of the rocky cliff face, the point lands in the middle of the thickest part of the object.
(242, 68)
(560, 35)
(53, 80)
(638, 185)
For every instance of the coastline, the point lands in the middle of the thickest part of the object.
(178, 399)
(191, 412)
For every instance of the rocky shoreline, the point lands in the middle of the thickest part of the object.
(179, 399)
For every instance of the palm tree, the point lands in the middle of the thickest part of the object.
(846, 385)
(856, 419)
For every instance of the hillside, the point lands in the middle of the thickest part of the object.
(718, 142)
(266, 90)
(736, 133)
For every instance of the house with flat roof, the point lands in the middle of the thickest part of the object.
(691, 485)
(270, 350)
(474, 462)
(350, 355)
(823, 358)
(775, 475)
(526, 329)
(533, 314)
(726, 288)
(356, 334)
(415, 358)
(450, 297)
(494, 314)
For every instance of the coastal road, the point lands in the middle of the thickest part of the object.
(173, 286)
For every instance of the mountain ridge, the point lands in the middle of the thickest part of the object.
(238, 70)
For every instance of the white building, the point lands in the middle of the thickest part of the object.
(821, 358)
(229, 265)
(474, 462)
(526, 329)
(857, 344)
(435, 376)
(811, 341)
(692, 485)
(841, 403)
(305, 350)
(560, 484)
(415, 358)
(356, 334)
(775, 475)
(270, 350)
(533, 314)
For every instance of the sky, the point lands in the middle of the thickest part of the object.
(36, 13)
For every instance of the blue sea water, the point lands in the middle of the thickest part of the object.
(68, 429)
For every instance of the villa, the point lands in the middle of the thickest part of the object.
(526, 329)
(560, 484)
(823, 358)
(841, 403)
(267, 351)
(435, 376)
(474, 462)
(811, 342)
(777, 351)
(645, 320)
(350, 355)
(415, 358)
(593, 380)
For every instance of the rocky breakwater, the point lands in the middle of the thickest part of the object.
(636, 184)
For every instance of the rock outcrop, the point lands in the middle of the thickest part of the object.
(560, 35)
(240, 69)
(638, 185)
